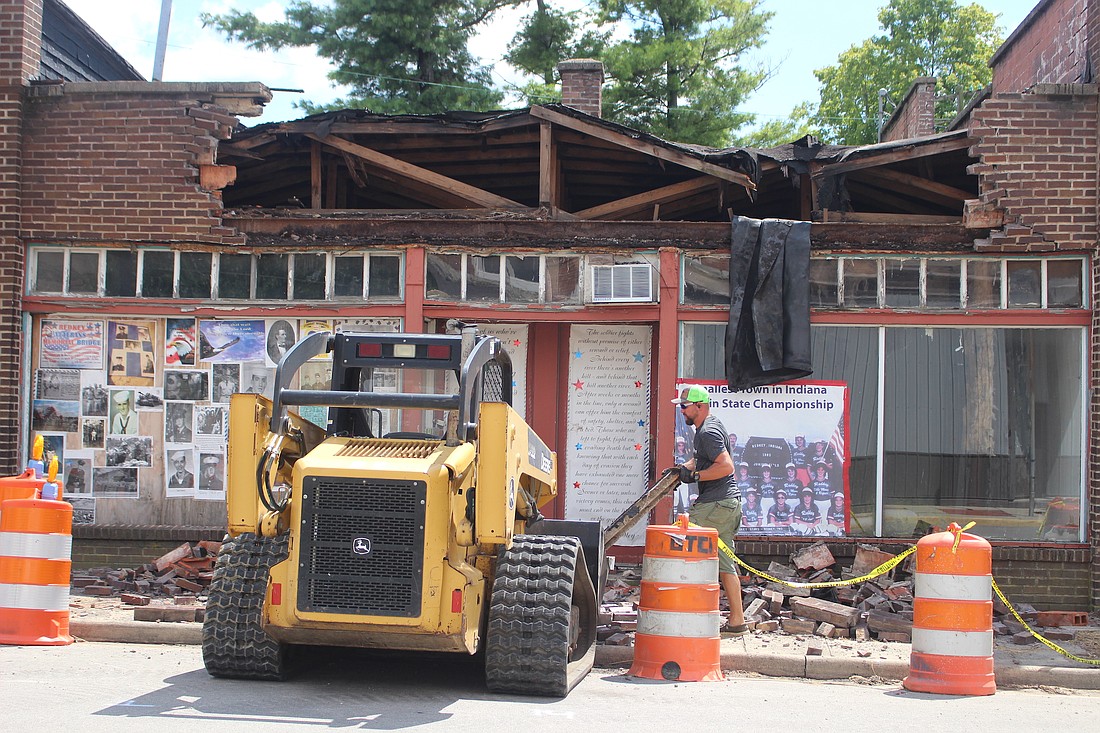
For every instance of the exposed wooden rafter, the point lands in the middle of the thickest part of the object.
(420, 176)
(649, 199)
(894, 155)
(646, 148)
(918, 187)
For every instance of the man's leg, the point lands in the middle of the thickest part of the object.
(731, 583)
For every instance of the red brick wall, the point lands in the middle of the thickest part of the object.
(1051, 46)
(1038, 155)
(20, 53)
(108, 166)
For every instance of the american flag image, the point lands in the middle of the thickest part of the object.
(837, 442)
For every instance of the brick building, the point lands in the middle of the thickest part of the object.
(153, 251)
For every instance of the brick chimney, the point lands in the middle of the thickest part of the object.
(582, 85)
(915, 116)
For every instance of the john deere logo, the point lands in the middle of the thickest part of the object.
(361, 545)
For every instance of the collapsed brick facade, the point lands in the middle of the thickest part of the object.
(1038, 141)
(139, 162)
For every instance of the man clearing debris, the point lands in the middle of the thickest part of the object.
(719, 503)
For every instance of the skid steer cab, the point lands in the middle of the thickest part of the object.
(410, 521)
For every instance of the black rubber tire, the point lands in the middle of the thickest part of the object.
(234, 643)
(541, 631)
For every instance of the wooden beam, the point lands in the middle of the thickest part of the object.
(909, 152)
(546, 165)
(656, 151)
(859, 217)
(648, 199)
(315, 175)
(422, 176)
(939, 193)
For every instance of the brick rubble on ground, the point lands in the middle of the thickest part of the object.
(880, 608)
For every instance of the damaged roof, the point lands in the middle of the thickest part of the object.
(552, 161)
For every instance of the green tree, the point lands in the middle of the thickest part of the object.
(549, 35)
(678, 74)
(779, 131)
(397, 56)
(937, 38)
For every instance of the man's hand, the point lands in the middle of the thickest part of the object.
(687, 476)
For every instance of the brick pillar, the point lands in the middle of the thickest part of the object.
(20, 56)
(582, 85)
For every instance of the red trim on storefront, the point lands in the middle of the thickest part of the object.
(618, 313)
(665, 350)
(415, 275)
(544, 380)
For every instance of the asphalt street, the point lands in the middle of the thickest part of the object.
(93, 687)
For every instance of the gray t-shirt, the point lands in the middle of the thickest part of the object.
(710, 440)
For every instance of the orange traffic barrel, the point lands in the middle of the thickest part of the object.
(952, 652)
(35, 562)
(678, 619)
(23, 486)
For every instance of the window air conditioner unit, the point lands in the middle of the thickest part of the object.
(622, 284)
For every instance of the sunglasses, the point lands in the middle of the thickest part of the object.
(685, 405)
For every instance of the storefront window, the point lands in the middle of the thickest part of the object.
(982, 424)
(983, 284)
(49, 271)
(309, 277)
(271, 276)
(943, 279)
(234, 276)
(1064, 283)
(563, 279)
(158, 274)
(121, 280)
(483, 278)
(385, 277)
(444, 277)
(902, 283)
(195, 274)
(521, 282)
(1025, 283)
(84, 273)
(707, 280)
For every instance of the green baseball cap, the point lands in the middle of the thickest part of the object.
(694, 393)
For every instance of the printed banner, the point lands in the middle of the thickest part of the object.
(607, 435)
(71, 344)
(788, 447)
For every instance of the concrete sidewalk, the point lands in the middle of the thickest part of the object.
(773, 655)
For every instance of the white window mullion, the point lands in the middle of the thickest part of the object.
(215, 275)
(880, 451)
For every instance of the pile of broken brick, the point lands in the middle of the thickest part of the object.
(879, 608)
(181, 575)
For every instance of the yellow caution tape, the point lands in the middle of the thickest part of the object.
(1039, 636)
(883, 568)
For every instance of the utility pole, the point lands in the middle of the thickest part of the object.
(162, 39)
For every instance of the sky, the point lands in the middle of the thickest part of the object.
(803, 35)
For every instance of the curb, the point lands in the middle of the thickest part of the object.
(770, 665)
(833, 668)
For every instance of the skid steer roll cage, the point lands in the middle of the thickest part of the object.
(467, 357)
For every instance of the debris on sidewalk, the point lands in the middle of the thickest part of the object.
(875, 609)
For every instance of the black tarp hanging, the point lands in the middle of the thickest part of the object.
(768, 336)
